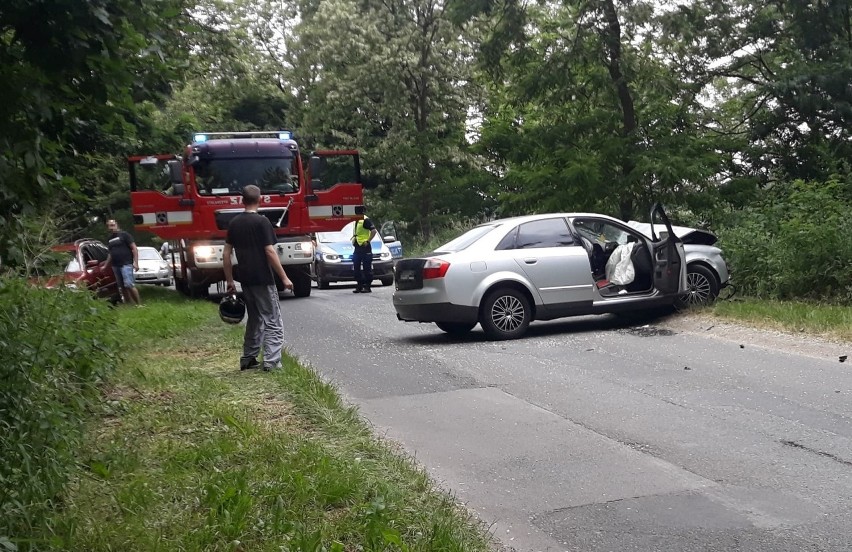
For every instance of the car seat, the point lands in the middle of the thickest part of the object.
(643, 267)
(597, 257)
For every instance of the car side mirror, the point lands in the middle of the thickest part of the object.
(317, 167)
(176, 176)
(389, 238)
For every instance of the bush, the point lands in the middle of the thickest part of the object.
(56, 347)
(794, 244)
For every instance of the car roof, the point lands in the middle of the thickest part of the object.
(539, 216)
(68, 247)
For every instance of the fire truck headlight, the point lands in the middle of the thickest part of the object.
(306, 247)
(204, 252)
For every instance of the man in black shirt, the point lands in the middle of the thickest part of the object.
(252, 237)
(124, 258)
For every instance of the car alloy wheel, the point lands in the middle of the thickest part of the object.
(702, 287)
(505, 314)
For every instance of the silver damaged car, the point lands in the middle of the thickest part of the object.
(707, 272)
(506, 273)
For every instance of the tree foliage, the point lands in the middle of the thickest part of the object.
(79, 68)
(392, 78)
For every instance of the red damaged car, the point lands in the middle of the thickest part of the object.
(85, 269)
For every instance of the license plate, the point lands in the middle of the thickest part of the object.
(406, 275)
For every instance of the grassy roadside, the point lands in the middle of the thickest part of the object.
(830, 321)
(191, 454)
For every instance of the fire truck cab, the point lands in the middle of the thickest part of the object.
(189, 200)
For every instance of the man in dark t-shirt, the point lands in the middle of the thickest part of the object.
(124, 259)
(252, 238)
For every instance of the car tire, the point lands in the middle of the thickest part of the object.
(182, 287)
(301, 279)
(322, 283)
(456, 328)
(505, 313)
(703, 286)
(387, 280)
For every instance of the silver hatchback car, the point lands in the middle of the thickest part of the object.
(506, 273)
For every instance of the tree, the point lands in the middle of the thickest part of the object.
(393, 79)
(583, 114)
(79, 68)
(779, 74)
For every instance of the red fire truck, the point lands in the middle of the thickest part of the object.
(190, 200)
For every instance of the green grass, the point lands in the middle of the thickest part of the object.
(833, 321)
(189, 453)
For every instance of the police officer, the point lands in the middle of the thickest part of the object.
(362, 258)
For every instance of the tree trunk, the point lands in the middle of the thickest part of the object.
(612, 39)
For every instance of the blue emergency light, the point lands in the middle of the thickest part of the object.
(199, 138)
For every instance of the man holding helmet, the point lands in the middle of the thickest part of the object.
(252, 238)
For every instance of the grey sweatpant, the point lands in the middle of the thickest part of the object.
(264, 325)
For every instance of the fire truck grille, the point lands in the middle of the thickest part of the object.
(223, 218)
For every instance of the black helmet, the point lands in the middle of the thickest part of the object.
(232, 309)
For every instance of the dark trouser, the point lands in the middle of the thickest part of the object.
(264, 326)
(362, 264)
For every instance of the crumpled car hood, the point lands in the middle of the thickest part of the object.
(688, 235)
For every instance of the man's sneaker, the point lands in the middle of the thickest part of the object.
(357, 290)
(248, 364)
(367, 290)
(271, 367)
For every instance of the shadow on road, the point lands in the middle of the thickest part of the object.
(566, 326)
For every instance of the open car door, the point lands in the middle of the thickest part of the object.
(334, 189)
(668, 254)
(328, 168)
(156, 195)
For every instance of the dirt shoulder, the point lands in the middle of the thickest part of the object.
(801, 343)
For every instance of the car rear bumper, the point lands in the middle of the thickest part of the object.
(436, 312)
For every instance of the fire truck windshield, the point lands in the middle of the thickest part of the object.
(230, 176)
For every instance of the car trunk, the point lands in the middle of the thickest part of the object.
(408, 273)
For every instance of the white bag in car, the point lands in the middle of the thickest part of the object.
(619, 267)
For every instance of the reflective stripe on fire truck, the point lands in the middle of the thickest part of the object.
(327, 211)
(166, 217)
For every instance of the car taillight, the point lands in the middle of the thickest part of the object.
(435, 268)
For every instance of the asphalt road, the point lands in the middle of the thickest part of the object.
(595, 434)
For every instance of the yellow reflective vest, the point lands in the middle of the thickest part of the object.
(361, 235)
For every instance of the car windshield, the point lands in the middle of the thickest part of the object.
(149, 254)
(333, 237)
(230, 176)
(344, 235)
(600, 231)
(465, 240)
